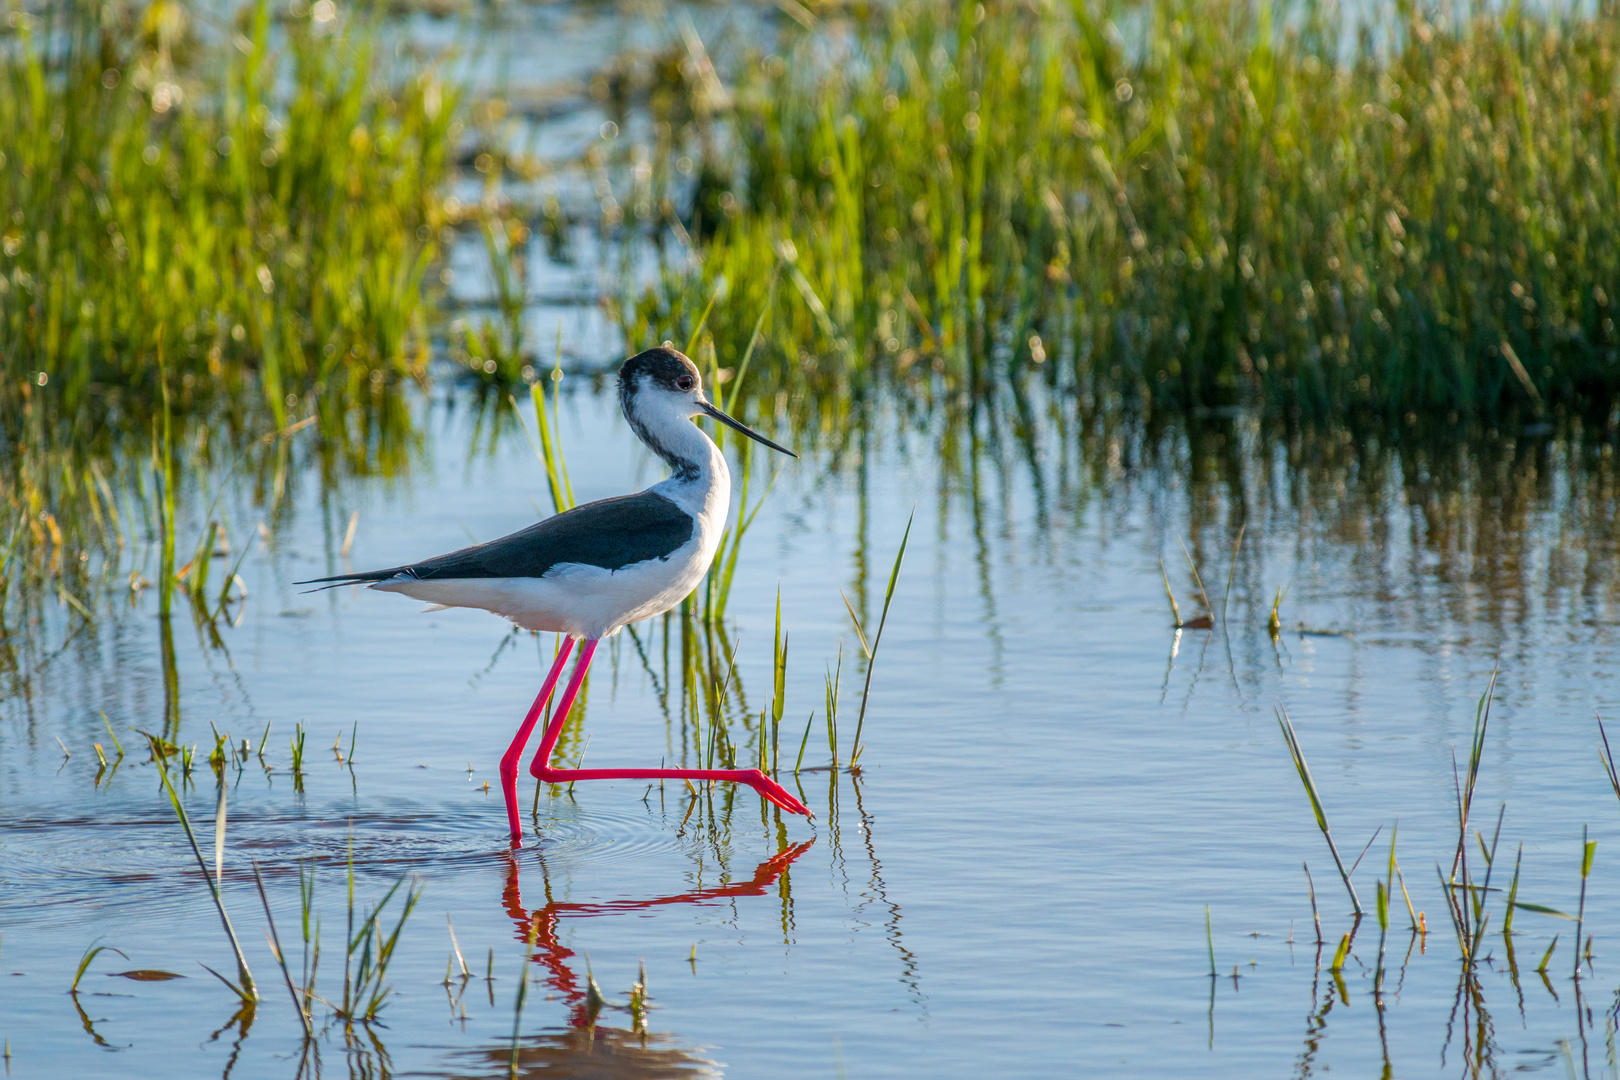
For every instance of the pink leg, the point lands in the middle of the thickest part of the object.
(514, 753)
(541, 767)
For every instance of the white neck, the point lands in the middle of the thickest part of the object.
(700, 482)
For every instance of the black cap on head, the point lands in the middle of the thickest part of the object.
(670, 370)
(665, 366)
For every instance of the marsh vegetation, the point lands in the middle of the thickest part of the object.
(1387, 213)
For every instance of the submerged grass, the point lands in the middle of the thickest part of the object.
(1187, 203)
(1469, 900)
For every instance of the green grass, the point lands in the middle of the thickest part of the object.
(1469, 898)
(1300, 766)
(271, 199)
(954, 201)
(84, 963)
(244, 986)
(370, 951)
(300, 1005)
(212, 231)
(1180, 204)
(870, 649)
(1588, 849)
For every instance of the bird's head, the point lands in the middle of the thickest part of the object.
(661, 385)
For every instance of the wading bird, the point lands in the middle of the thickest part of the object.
(589, 572)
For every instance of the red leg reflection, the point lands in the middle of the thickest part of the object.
(542, 769)
(548, 950)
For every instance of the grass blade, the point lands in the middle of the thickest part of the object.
(1175, 608)
(247, 990)
(84, 963)
(219, 831)
(456, 945)
(281, 958)
(877, 639)
(1203, 597)
(1588, 849)
(1607, 757)
(1231, 571)
(1209, 939)
(1541, 968)
(855, 620)
(803, 743)
(1316, 802)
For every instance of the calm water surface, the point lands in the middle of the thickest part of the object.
(1056, 785)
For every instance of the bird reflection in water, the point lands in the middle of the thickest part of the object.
(545, 921)
(587, 1048)
(597, 1052)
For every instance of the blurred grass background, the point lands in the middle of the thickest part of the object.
(1394, 213)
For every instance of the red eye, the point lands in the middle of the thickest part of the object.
(686, 382)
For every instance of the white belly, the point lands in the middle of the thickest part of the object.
(572, 598)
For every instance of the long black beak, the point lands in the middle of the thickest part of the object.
(752, 434)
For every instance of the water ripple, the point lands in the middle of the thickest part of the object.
(142, 861)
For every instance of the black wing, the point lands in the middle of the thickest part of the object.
(610, 533)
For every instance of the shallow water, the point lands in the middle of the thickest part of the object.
(1056, 785)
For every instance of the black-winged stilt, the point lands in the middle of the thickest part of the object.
(589, 572)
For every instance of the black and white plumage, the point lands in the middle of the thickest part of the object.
(590, 571)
